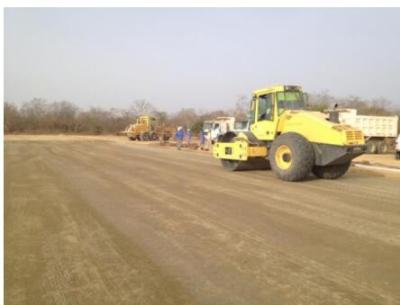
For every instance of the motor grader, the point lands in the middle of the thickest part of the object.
(288, 139)
(147, 129)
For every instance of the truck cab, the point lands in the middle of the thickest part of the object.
(220, 125)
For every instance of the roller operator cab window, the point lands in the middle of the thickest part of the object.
(265, 107)
(252, 113)
(290, 100)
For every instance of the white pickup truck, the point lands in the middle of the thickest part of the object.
(218, 126)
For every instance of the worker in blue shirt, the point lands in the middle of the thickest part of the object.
(189, 136)
(202, 136)
(179, 136)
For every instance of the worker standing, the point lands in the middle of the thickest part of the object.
(179, 136)
(189, 136)
(202, 137)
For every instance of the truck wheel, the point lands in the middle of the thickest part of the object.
(382, 148)
(132, 138)
(291, 157)
(371, 147)
(331, 171)
(154, 137)
(397, 155)
(144, 136)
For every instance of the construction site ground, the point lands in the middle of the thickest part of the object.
(384, 160)
(102, 220)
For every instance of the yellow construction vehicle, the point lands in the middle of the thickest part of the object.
(292, 141)
(147, 129)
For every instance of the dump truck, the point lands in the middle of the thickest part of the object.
(146, 128)
(220, 125)
(288, 139)
(380, 132)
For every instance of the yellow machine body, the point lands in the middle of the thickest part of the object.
(240, 149)
(146, 128)
(280, 110)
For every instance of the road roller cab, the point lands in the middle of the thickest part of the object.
(291, 140)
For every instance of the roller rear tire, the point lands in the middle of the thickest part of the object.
(291, 157)
(331, 171)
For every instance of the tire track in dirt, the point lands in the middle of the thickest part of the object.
(59, 252)
(143, 177)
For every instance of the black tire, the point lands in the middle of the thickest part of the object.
(331, 171)
(301, 157)
(372, 147)
(259, 163)
(154, 137)
(144, 136)
(250, 164)
(230, 165)
(397, 155)
(382, 148)
(132, 138)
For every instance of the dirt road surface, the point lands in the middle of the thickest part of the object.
(92, 221)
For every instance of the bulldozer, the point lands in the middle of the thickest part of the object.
(288, 139)
(147, 129)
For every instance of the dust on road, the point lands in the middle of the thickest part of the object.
(110, 222)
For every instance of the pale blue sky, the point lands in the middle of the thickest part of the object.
(201, 58)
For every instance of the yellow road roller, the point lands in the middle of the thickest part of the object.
(290, 140)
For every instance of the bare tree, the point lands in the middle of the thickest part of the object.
(40, 116)
(35, 115)
(241, 107)
(320, 101)
(62, 115)
(12, 118)
(161, 116)
(186, 117)
(141, 107)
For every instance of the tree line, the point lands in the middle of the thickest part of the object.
(41, 116)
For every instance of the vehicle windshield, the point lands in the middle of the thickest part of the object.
(290, 100)
(241, 125)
